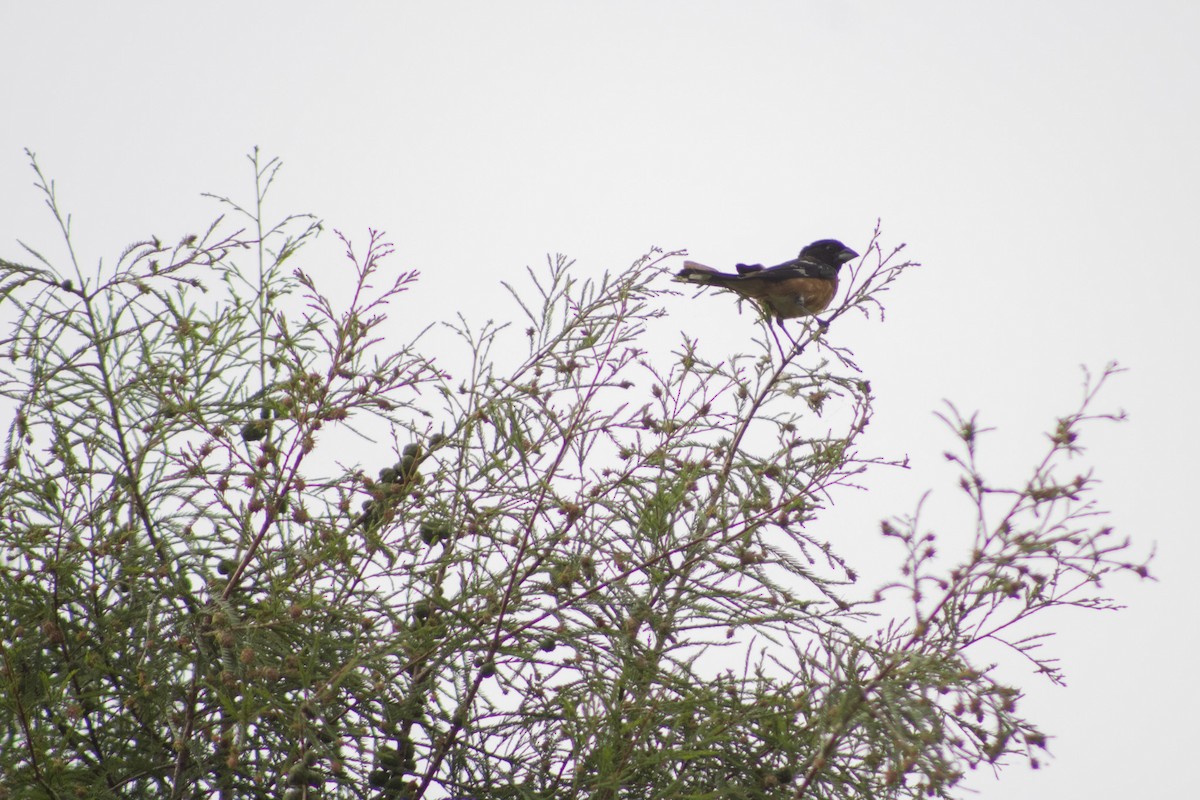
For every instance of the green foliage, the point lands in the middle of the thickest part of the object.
(540, 597)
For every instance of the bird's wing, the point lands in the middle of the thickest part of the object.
(797, 268)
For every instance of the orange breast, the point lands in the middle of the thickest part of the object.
(799, 297)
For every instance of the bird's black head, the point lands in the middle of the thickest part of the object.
(828, 251)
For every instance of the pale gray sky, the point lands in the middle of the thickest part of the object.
(1042, 159)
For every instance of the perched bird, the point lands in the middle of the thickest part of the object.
(797, 288)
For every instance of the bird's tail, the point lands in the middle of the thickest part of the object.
(694, 272)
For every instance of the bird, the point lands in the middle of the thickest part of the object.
(802, 287)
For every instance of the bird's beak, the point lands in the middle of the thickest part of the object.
(847, 255)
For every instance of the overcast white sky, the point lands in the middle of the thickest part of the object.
(1042, 159)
